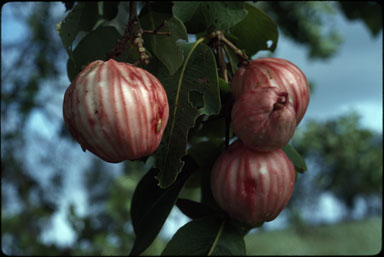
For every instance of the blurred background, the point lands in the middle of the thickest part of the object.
(58, 200)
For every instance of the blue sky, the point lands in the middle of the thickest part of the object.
(352, 80)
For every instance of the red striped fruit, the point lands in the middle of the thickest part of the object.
(252, 186)
(264, 119)
(116, 111)
(274, 72)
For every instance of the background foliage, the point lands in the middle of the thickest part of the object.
(32, 190)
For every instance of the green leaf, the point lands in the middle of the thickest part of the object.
(255, 32)
(196, 24)
(194, 210)
(150, 208)
(83, 17)
(209, 16)
(185, 10)
(206, 142)
(206, 236)
(93, 46)
(197, 74)
(296, 158)
(164, 47)
(211, 128)
(222, 15)
(206, 152)
(110, 9)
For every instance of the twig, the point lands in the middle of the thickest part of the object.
(219, 35)
(137, 32)
(156, 31)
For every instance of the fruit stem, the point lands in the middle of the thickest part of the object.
(227, 117)
(243, 58)
(229, 58)
(223, 73)
(220, 61)
(219, 35)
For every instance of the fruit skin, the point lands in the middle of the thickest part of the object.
(274, 72)
(264, 118)
(252, 186)
(116, 111)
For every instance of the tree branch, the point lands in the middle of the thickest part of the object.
(132, 33)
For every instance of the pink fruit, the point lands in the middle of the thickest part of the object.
(264, 119)
(116, 110)
(252, 186)
(274, 72)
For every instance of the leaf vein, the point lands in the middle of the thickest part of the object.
(177, 100)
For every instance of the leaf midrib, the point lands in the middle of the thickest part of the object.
(175, 109)
(216, 241)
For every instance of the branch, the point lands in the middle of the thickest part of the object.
(137, 32)
(132, 33)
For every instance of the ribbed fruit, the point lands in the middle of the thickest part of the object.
(252, 186)
(116, 111)
(264, 118)
(274, 72)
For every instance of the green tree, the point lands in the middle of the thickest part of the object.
(349, 161)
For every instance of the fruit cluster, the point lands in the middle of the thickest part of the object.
(119, 112)
(253, 179)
